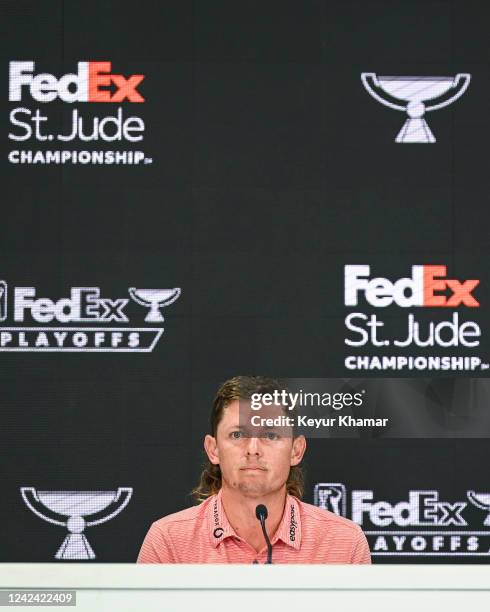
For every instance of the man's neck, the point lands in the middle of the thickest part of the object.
(240, 512)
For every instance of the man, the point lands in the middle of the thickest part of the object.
(244, 471)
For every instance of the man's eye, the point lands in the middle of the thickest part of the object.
(272, 435)
(236, 435)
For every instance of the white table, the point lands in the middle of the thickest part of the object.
(179, 588)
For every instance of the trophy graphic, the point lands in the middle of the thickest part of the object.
(3, 300)
(482, 501)
(76, 510)
(331, 496)
(416, 96)
(154, 299)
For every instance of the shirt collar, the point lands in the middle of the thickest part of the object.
(219, 526)
(289, 529)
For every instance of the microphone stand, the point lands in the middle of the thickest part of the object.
(261, 514)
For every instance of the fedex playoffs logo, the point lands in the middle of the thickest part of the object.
(422, 524)
(428, 286)
(428, 289)
(93, 82)
(57, 321)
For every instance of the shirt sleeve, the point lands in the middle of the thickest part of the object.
(155, 547)
(361, 552)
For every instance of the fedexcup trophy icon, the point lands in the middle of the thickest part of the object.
(415, 96)
(154, 299)
(482, 501)
(76, 510)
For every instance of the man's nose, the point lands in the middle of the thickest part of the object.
(253, 446)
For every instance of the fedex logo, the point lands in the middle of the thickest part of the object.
(93, 82)
(84, 304)
(428, 287)
(422, 508)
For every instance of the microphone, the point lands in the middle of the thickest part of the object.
(261, 514)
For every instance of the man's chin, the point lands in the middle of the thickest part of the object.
(253, 489)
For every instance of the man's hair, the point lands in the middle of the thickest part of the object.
(240, 388)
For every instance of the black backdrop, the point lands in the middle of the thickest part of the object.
(271, 168)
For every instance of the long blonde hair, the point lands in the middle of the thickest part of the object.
(237, 388)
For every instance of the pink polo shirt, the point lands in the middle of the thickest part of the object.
(202, 534)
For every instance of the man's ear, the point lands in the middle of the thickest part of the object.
(298, 450)
(211, 449)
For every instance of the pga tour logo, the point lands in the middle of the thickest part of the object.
(3, 300)
(60, 320)
(422, 524)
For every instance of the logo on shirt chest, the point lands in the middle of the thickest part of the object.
(292, 525)
(218, 531)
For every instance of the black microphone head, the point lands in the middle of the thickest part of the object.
(261, 512)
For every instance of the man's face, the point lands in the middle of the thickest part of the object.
(256, 466)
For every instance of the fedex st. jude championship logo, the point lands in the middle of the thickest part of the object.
(33, 92)
(436, 333)
(422, 523)
(83, 320)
